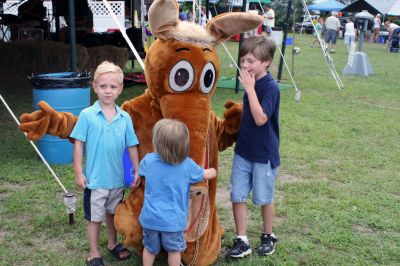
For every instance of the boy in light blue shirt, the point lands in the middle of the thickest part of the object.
(104, 130)
(168, 172)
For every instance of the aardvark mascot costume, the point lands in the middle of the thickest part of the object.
(182, 68)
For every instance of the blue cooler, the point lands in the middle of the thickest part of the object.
(64, 92)
(289, 40)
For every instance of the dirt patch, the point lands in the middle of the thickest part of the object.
(2, 236)
(363, 229)
(278, 220)
(321, 176)
(49, 244)
(325, 162)
(224, 198)
(289, 178)
(55, 244)
(4, 195)
(11, 187)
(278, 197)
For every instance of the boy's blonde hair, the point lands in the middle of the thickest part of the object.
(108, 67)
(171, 140)
(262, 48)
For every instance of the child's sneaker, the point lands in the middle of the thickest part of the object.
(239, 250)
(268, 243)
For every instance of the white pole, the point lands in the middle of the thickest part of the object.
(34, 147)
(123, 32)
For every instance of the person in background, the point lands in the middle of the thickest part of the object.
(350, 33)
(31, 14)
(256, 159)
(104, 131)
(376, 29)
(332, 25)
(182, 14)
(317, 32)
(203, 17)
(83, 22)
(390, 27)
(269, 19)
(33, 11)
(190, 15)
(254, 32)
(168, 172)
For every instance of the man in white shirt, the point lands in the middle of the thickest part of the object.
(332, 25)
(390, 27)
(269, 19)
(254, 32)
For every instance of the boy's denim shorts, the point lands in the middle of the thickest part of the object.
(247, 176)
(153, 240)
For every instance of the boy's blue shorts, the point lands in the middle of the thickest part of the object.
(153, 240)
(247, 176)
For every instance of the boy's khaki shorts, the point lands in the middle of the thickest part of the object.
(98, 202)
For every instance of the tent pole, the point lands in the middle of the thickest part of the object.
(207, 10)
(285, 30)
(240, 44)
(72, 34)
(294, 39)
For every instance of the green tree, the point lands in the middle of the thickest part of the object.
(280, 8)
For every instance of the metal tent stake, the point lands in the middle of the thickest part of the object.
(69, 201)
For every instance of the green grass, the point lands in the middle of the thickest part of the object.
(337, 194)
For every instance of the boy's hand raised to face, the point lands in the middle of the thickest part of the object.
(248, 81)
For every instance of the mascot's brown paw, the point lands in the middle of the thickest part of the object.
(34, 124)
(232, 115)
(126, 219)
(46, 120)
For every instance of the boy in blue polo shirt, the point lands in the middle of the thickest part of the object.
(168, 172)
(105, 131)
(256, 156)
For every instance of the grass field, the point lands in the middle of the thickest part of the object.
(337, 193)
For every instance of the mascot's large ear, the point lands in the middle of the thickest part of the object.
(224, 26)
(163, 17)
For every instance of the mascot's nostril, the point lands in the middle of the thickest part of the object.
(208, 78)
(181, 77)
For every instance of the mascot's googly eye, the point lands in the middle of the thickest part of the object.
(207, 78)
(181, 76)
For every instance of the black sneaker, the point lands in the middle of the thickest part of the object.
(268, 243)
(239, 250)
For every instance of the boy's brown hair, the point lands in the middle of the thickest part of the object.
(108, 67)
(171, 140)
(262, 48)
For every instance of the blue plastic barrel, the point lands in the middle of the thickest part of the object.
(65, 92)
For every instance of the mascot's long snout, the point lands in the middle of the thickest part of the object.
(195, 114)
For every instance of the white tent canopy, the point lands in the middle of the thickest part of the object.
(395, 9)
(373, 6)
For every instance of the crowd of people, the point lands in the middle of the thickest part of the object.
(330, 29)
(189, 16)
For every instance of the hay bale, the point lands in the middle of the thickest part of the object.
(27, 57)
(117, 55)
